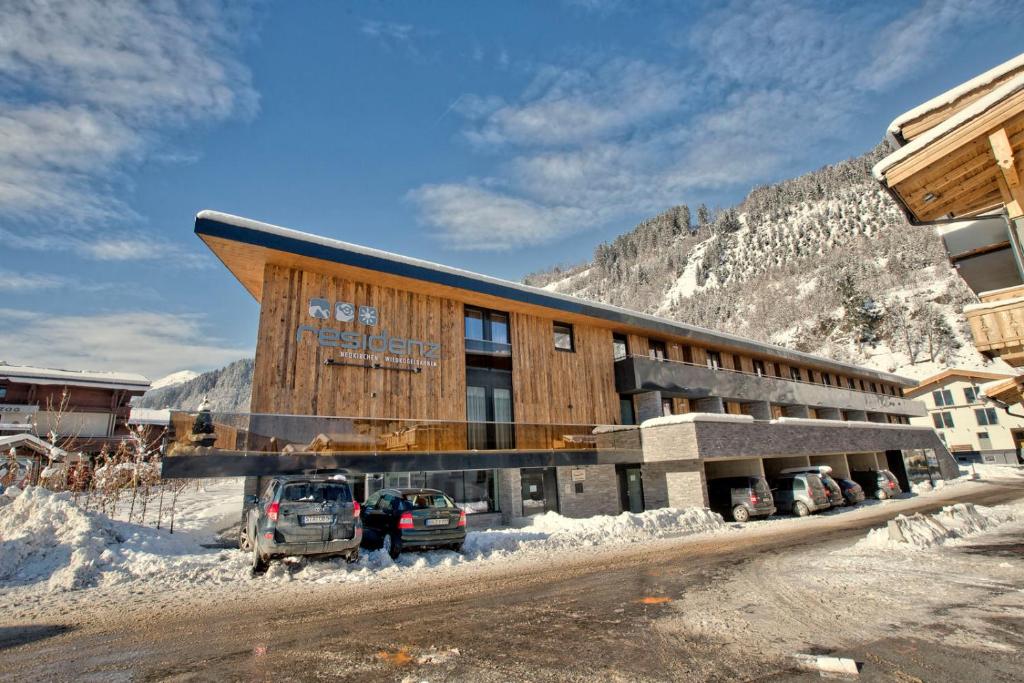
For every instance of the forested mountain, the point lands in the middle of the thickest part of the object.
(228, 390)
(824, 263)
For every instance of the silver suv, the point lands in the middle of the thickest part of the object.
(301, 515)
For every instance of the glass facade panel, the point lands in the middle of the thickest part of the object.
(563, 336)
(475, 491)
(474, 324)
(503, 418)
(476, 413)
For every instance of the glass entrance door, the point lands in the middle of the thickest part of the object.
(489, 409)
(540, 491)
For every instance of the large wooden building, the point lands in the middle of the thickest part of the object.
(516, 399)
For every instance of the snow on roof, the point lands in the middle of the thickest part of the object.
(85, 378)
(694, 417)
(32, 441)
(149, 416)
(954, 94)
(972, 111)
(537, 293)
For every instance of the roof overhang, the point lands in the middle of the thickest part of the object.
(953, 374)
(246, 247)
(965, 166)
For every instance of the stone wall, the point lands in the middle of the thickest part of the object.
(600, 494)
(510, 494)
(674, 484)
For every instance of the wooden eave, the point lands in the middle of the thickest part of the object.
(950, 374)
(1010, 391)
(246, 250)
(959, 172)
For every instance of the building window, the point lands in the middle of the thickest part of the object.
(825, 379)
(850, 383)
(563, 337)
(759, 368)
(3, 392)
(666, 406)
(714, 360)
(778, 369)
(657, 349)
(687, 355)
(737, 363)
(943, 419)
(626, 410)
(986, 416)
(486, 332)
(810, 376)
(943, 398)
(620, 349)
(984, 442)
(794, 374)
(971, 394)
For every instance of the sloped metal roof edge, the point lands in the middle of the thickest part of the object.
(255, 233)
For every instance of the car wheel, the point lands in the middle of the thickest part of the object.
(392, 546)
(883, 495)
(259, 560)
(457, 547)
(740, 514)
(800, 509)
(353, 556)
(244, 540)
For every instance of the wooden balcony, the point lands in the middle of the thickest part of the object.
(997, 324)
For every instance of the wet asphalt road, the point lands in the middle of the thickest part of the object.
(592, 621)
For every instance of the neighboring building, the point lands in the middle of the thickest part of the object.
(86, 410)
(961, 165)
(24, 457)
(518, 400)
(972, 427)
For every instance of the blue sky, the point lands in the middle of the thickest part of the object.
(503, 137)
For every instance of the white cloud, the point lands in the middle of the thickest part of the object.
(11, 281)
(89, 88)
(154, 344)
(764, 84)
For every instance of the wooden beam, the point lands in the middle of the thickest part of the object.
(1010, 183)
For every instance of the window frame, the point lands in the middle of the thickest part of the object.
(555, 324)
(986, 417)
(618, 338)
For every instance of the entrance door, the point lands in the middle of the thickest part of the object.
(489, 408)
(540, 490)
(631, 488)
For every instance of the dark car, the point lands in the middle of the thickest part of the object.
(396, 519)
(880, 484)
(301, 515)
(800, 494)
(741, 497)
(852, 491)
(824, 472)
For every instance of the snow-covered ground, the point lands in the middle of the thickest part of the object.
(54, 554)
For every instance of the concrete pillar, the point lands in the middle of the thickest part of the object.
(856, 416)
(759, 410)
(878, 417)
(648, 405)
(510, 494)
(711, 404)
(830, 414)
(796, 411)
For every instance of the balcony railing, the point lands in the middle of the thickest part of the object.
(383, 445)
(490, 348)
(997, 324)
(642, 373)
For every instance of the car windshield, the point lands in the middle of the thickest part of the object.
(425, 501)
(316, 492)
(761, 487)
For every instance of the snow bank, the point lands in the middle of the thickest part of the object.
(953, 522)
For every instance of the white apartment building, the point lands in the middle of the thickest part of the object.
(973, 428)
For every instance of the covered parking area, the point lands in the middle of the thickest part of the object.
(739, 467)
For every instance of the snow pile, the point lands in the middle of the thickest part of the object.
(47, 539)
(45, 535)
(551, 531)
(953, 522)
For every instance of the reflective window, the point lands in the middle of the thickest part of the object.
(986, 416)
(657, 349)
(563, 336)
(619, 347)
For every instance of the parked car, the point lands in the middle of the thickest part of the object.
(800, 494)
(832, 489)
(301, 515)
(396, 519)
(741, 497)
(852, 491)
(880, 484)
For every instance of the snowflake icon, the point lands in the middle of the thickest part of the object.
(344, 312)
(368, 315)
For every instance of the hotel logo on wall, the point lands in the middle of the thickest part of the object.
(379, 350)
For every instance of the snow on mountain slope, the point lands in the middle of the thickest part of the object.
(174, 379)
(823, 263)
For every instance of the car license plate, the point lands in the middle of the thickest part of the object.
(316, 519)
(437, 522)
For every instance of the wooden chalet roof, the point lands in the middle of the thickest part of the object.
(951, 374)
